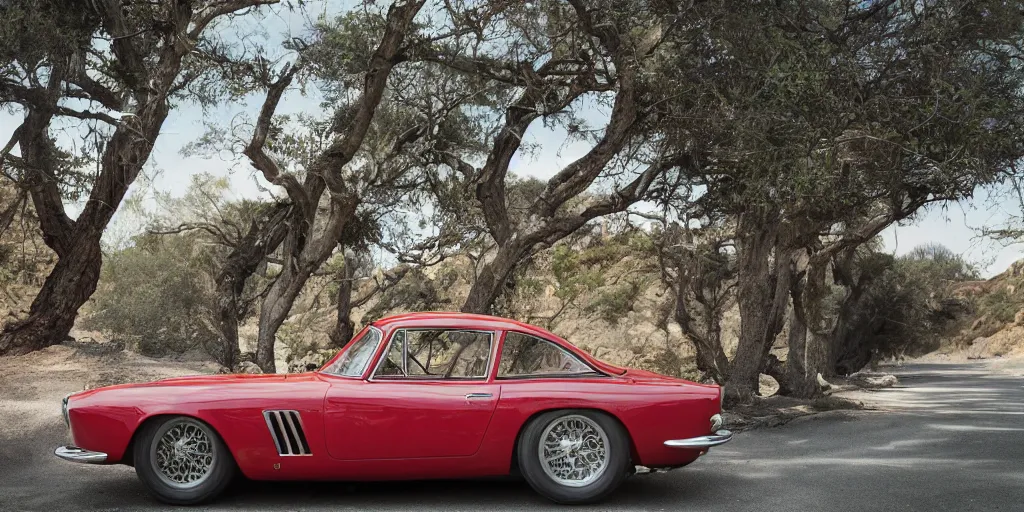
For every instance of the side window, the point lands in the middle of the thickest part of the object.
(357, 356)
(524, 355)
(436, 354)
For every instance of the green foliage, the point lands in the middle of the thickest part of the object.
(939, 267)
(342, 50)
(571, 277)
(33, 31)
(908, 303)
(611, 303)
(999, 305)
(156, 295)
(615, 249)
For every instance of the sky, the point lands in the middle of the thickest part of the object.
(955, 226)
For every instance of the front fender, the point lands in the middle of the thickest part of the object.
(106, 429)
(106, 420)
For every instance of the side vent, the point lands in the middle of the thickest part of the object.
(286, 429)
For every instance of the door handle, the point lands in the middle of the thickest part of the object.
(471, 396)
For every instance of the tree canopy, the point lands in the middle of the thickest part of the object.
(758, 150)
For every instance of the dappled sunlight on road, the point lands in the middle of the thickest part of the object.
(908, 443)
(975, 428)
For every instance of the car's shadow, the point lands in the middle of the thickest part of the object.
(420, 495)
(395, 493)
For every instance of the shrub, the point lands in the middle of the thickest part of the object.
(156, 295)
(906, 307)
(999, 305)
(612, 303)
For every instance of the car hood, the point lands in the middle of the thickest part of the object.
(205, 380)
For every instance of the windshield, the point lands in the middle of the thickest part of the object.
(357, 356)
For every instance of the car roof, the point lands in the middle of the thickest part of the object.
(456, 319)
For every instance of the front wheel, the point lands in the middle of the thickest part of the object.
(182, 460)
(574, 456)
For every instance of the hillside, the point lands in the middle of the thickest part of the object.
(603, 294)
(995, 327)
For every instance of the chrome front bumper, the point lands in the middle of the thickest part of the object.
(702, 442)
(76, 454)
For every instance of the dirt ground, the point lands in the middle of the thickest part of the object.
(32, 386)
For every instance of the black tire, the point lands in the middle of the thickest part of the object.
(616, 467)
(219, 474)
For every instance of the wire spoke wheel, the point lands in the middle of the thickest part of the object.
(183, 454)
(573, 450)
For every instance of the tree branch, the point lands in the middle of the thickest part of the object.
(259, 157)
(217, 9)
(620, 200)
(86, 115)
(385, 57)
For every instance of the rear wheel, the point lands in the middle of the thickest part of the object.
(574, 456)
(182, 460)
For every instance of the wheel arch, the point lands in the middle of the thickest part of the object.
(514, 463)
(128, 457)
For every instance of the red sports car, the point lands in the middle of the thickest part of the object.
(416, 396)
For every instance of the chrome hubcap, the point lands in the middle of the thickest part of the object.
(183, 455)
(573, 451)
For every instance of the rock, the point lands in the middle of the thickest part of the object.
(1017, 268)
(977, 323)
(978, 348)
(248, 367)
(1018, 319)
(1004, 342)
(874, 381)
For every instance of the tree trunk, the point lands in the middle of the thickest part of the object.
(265, 234)
(763, 277)
(850, 350)
(711, 359)
(853, 346)
(805, 361)
(710, 355)
(809, 355)
(273, 313)
(294, 273)
(344, 328)
(77, 243)
(52, 314)
(492, 279)
(303, 256)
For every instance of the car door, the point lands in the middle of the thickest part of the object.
(428, 396)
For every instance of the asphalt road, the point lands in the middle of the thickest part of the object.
(953, 439)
